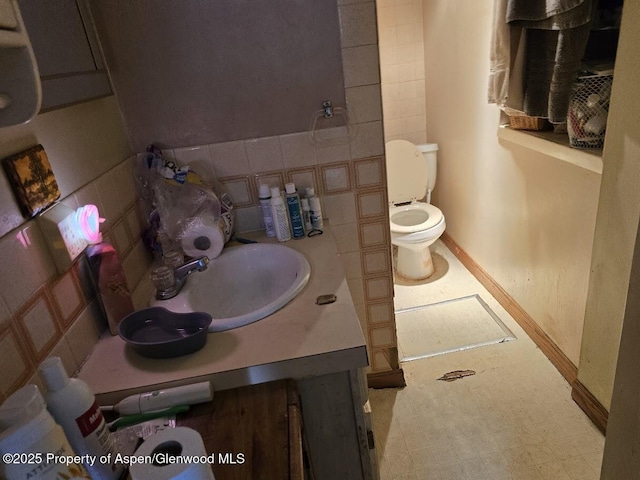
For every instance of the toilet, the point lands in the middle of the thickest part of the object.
(415, 224)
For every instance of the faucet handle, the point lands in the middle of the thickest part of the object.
(203, 262)
(163, 278)
(173, 259)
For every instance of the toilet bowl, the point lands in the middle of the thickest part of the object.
(415, 224)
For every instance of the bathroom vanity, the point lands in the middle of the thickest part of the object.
(320, 347)
(254, 432)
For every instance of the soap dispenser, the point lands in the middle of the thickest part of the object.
(111, 283)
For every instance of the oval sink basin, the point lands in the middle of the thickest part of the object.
(243, 285)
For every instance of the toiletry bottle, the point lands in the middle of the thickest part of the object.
(108, 276)
(306, 215)
(29, 434)
(264, 196)
(295, 211)
(315, 211)
(74, 407)
(280, 216)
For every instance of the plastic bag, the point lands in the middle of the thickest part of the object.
(174, 198)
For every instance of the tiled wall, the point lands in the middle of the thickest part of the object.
(400, 26)
(346, 168)
(43, 313)
(349, 176)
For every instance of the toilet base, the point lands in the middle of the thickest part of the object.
(414, 263)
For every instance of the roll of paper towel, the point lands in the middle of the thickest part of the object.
(179, 454)
(202, 237)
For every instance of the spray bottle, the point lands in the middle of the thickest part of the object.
(264, 196)
(295, 211)
(280, 216)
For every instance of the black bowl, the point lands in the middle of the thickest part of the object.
(158, 333)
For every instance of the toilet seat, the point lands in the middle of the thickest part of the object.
(414, 217)
(414, 224)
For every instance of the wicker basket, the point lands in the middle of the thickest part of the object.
(524, 122)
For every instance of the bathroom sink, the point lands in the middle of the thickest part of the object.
(243, 285)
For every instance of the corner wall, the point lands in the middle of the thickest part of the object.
(616, 259)
(617, 225)
(402, 69)
(526, 218)
(44, 313)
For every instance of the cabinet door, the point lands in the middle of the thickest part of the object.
(66, 50)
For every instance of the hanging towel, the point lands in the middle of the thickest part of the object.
(507, 62)
(499, 55)
(556, 14)
(537, 47)
(551, 71)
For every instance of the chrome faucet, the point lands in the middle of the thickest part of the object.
(179, 275)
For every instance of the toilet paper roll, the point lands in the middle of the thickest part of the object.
(166, 447)
(202, 237)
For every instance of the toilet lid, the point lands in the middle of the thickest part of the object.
(414, 217)
(407, 174)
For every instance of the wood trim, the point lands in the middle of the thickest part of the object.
(389, 379)
(590, 405)
(296, 463)
(566, 368)
(296, 448)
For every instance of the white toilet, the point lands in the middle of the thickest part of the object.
(415, 224)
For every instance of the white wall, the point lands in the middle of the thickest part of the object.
(82, 142)
(43, 312)
(616, 246)
(526, 218)
(617, 221)
(402, 69)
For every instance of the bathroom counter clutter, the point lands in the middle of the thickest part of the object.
(300, 340)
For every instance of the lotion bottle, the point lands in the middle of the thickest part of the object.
(280, 216)
(306, 215)
(295, 211)
(264, 196)
(74, 407)
(315, 210)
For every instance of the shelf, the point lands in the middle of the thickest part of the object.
(555, 145)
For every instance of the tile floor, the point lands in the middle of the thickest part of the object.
(513, 420)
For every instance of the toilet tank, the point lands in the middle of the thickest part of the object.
(430, 152)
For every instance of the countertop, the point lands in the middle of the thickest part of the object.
(300, 340)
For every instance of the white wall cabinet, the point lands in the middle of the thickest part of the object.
(19, 85)
(67, 52)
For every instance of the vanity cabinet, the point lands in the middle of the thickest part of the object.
(255, 432)
(315, 427)
(320, 347)
(66, 50)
